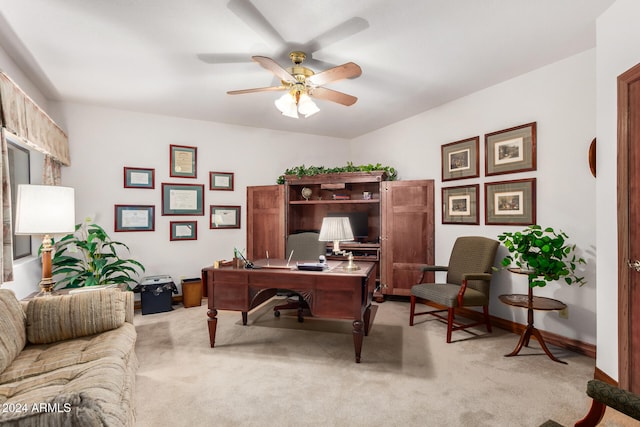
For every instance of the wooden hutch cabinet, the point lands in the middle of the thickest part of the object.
(393, 221)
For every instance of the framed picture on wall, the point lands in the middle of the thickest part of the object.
(134, 218)
(511, 150)
(221, 181)
(510, 202)
(225, 217)
(183, 161)
(460, 159)
(182, 199)
(139, 178)
(183, 230)
(460, 205)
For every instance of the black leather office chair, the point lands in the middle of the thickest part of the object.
(305, 247)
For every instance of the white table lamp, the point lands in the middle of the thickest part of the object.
(45, 210)
(335, 229)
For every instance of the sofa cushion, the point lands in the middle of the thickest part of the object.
(97, 393)
(12, 328)
(37, 359)
(62, 317)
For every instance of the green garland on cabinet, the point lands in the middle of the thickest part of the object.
(303, 170)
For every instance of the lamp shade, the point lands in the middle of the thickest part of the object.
(287, 106)
(306, 106)
(335, 228)
(45, 209)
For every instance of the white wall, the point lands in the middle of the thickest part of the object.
(561, 99)
(618, 46)
(103, 141)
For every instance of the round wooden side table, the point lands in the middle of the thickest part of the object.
(531, 303)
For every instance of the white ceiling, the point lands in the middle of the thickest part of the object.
(168, 57)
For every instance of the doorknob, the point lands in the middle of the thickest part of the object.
(635, 265)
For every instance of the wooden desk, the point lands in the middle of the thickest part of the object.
(334, 294)
(531, 303)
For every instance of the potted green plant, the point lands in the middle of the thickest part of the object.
(88, 257)
(543, 253)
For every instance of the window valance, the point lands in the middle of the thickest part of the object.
(20, 115)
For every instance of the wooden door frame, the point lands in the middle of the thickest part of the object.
(624, 272)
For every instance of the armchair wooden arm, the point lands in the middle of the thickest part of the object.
(604, 395)
(429, 268)
(465, 278)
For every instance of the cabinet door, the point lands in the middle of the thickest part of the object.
(407, 233)
(265, 221)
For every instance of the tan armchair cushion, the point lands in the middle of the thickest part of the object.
(12, 328)
(63, 317)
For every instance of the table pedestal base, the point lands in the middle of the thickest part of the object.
(524, 341)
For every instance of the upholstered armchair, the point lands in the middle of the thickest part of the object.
(467, 283)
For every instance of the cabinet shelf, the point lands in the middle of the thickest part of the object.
(331, 202)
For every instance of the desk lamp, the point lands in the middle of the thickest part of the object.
(335, 229)
(45, 210)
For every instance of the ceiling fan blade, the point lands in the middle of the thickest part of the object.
(247, 12)
(332, 95)
(275, 68)
(223, 58)
(337, 33)
(341, 72)
(258, 89)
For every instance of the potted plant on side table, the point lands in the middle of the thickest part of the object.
(544, 255)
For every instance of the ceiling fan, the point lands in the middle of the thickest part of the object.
(301, 83)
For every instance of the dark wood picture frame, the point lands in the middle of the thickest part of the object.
(221, 181)
(139, 178)
(224, 216)
(183, 230)
(134, 218)
(183, 161)
(177, 200)
(460, 205)
(510, 202)
(511, 150)
(460, 159)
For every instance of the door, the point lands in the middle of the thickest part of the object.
(265, 222)
(629, 229)
(407, 240)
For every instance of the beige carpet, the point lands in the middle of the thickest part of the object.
(277, 372)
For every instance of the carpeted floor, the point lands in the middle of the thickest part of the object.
(278, 372)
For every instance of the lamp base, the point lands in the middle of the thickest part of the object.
(351, 266)
(46, 288)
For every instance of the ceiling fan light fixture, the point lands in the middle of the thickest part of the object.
(306, 106)
(287, 106)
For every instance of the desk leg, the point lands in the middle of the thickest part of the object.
(212, 323)
(358, 334)
(367, 320)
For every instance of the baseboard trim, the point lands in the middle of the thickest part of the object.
(599, 375)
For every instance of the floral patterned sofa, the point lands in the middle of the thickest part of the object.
(67, 360)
